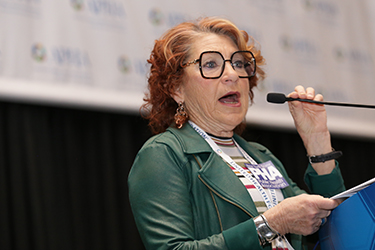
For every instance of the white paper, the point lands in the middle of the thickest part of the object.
(354, 190)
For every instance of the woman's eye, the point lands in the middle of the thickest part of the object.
(211, 64)
(238, 64)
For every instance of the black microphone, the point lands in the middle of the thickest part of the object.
(281, 98)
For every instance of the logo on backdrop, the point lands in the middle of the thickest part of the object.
(100, 7)
(38, 52)
(106, 14)
(128, 65)
(124, 64)
(353, 55)
(299, 49)
(156, 17)
(61, 63)
(66, 56)
(354, 59)
(323, 7)
(105, 7)
(77, 4)
(25, 8)
(159, 18)
(323, 11)
(132, 73)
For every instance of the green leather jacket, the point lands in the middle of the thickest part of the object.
(184, 196)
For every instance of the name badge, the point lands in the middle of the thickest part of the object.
(267, 175)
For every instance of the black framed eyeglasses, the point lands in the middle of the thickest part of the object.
(212, 64)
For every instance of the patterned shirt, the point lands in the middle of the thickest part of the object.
(228, 146)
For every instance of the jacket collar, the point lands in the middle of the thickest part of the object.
(215, 172)
(191, 141)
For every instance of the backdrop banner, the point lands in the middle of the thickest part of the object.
(92, 53)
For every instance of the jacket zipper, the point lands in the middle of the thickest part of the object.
(219, 195)
(225, 199)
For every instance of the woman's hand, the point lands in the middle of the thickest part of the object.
(301, 214)
(310, 120)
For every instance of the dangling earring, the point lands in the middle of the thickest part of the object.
(181, 115)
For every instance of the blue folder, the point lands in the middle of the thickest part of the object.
(352, 224)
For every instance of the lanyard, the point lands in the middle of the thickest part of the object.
(230, 161)
(270, 202)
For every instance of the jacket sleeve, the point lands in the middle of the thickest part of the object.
(326, 185)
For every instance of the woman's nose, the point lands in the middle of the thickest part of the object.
(229, 72)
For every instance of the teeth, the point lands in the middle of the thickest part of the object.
(230, 99)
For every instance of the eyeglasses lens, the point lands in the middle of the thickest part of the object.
(212, 64)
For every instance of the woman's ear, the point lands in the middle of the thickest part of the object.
(178, 95)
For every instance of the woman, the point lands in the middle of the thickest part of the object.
(197, 184)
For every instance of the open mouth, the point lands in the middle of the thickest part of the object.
(230, 98)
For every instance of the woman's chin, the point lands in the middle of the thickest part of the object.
(232, 123)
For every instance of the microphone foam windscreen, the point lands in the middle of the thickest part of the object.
(276, 98)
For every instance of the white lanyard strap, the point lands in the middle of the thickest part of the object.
(269, 202)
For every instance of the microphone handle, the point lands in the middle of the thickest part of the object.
(332, 103)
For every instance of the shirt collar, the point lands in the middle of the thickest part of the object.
(193, 143)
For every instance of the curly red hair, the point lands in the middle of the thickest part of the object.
(171, 51)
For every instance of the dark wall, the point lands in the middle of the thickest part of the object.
(63, 174)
